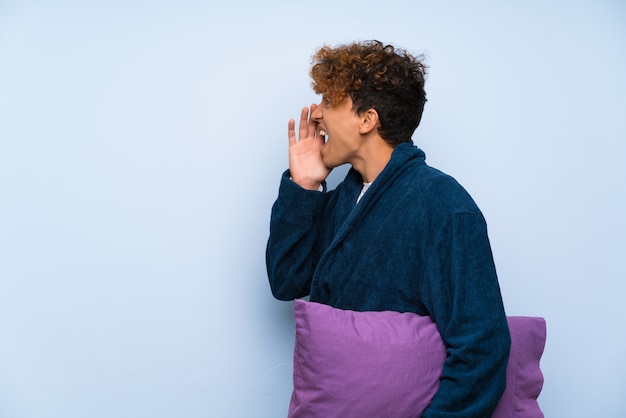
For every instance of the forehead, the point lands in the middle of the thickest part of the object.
(337, 101)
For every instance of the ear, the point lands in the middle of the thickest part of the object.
(369, 121)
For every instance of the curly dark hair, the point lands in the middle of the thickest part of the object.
(375, 76)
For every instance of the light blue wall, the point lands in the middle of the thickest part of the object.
(140, 149)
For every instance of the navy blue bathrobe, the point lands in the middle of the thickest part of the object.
(416, 242)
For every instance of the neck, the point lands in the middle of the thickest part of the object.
(373, 158)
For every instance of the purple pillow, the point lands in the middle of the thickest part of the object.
(387, 364)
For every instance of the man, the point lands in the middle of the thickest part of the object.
(396, 234)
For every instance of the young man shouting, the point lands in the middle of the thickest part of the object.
(396, 234)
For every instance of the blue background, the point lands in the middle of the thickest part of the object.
(141, 144)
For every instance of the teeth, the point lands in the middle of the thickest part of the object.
(323, 132)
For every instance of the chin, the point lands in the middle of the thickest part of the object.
(329, 163)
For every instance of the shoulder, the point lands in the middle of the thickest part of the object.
(439, 190)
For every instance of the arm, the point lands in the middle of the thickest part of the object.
(291, 256)
(465, 302)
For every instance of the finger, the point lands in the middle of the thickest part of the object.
(291, 131)
(312, 123)
(304, 121)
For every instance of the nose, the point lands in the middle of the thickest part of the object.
(316, 112)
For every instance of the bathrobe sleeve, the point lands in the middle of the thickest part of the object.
(292, 253)
(463, 297)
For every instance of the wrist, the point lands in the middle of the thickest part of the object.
(308, 185)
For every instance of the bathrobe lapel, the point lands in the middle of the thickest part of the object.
(349, 214)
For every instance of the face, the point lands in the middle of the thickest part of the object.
(340, 125)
